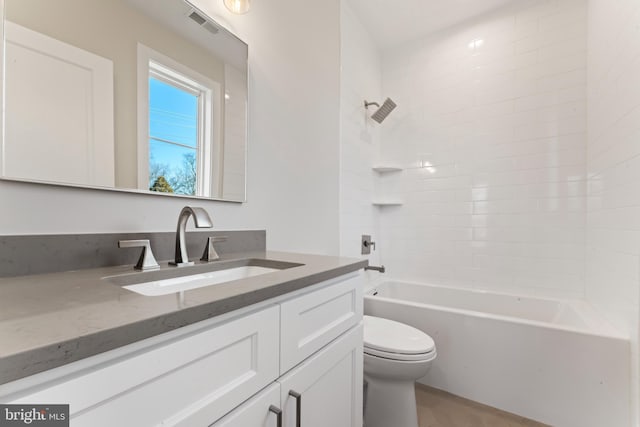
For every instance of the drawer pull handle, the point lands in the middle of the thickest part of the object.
(278, 413)
(298, 398)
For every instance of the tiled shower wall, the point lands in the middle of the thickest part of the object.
(491, 130)
(359, 135)
(613, 249)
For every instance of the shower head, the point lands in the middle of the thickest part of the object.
(383, 111)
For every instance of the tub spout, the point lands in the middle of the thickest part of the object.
(372, 267)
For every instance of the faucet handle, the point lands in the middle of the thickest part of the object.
(210, 253)
(367, 244)
(146, 261)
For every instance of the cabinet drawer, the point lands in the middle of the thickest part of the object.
(310, 321)
(192, 381)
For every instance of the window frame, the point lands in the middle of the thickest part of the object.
(209, 145)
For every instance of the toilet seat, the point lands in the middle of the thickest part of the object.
(396, 341)
(421, 357)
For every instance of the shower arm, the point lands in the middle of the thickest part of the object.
(367, 104)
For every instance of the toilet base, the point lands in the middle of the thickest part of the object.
(390, 403)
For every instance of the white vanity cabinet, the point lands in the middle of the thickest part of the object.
(239, 369)
(321, 363)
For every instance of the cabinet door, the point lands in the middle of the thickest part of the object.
(326, 390)
(262, 410)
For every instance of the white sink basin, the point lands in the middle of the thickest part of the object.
(185, 283)
(171, 280)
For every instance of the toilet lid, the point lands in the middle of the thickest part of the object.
(395, 337)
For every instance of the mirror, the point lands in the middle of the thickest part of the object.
(126, 94)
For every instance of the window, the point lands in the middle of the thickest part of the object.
(180, 151)
(173, 135)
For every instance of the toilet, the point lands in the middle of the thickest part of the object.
(395, 356)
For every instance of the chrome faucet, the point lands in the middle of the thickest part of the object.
(201, 219)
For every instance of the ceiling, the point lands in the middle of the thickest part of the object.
(391, 22)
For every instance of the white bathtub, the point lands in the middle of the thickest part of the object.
(554, 361)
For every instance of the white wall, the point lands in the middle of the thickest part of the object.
(503, 128)
(613, 248)
(293, 145)
(361, 78)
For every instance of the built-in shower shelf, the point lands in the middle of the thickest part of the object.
(387, 203)
(387, 168)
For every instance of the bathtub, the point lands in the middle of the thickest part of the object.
(554, 361)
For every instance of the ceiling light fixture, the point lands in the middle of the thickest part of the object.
(239, 7)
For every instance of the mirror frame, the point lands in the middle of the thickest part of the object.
(115, 189)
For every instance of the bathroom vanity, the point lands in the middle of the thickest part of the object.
(283, 348)
(77, 325)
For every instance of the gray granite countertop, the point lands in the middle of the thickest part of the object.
(49, 320)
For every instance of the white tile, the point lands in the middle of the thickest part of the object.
(613, 261)
(504, 130)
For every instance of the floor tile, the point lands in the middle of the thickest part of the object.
(437, 408)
